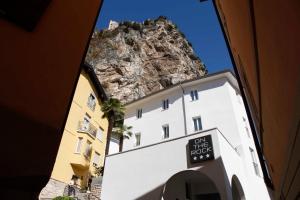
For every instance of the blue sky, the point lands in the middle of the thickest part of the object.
(196, 20)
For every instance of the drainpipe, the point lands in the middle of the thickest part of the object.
(183, 108)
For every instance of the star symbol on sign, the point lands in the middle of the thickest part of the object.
(201, 157)
(195, 158)
(207, 155)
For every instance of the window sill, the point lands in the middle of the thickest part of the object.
(86, 132)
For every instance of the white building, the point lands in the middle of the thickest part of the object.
(159, 163)
(112, 25)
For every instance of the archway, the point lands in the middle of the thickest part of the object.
(237, 189)
(192, 185)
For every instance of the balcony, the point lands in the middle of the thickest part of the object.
(87, 128)
(80, 161)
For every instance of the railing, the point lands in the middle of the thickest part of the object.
(87, 128)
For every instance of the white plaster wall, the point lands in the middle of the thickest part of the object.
(142, 173)
(255, 184)
(218, 106)
(153, 118)
(113, 146)
(215, 108)
(136, 173)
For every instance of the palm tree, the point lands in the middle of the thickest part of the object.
(123, 132)
(113, 110)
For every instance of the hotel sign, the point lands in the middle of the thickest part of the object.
(201, 149)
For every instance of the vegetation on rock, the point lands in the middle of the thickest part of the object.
(137, 59)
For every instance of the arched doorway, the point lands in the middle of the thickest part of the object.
(237, 189)
(192, 185)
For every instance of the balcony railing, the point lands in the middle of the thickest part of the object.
(87, 128)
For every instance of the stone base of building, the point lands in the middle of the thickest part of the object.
(95, 192)
(53, 189)
(56, 188)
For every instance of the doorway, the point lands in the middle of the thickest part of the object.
(190, 185)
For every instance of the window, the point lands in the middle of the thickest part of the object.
(78, 145)
(165, 131)
(86, 123)
(96, 160)
(246, 127)
(165, 104)
(88, 150)
(194, 95)
(197, 124)
(238, 97)
(254, 161)
(139, 113)
(91, 102)
(99, 133)
(248, 131)
(137, 139)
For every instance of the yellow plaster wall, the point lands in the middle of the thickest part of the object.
(63, 169)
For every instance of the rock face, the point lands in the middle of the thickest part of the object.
(133, 59)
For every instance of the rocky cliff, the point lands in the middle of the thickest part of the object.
(133, 59)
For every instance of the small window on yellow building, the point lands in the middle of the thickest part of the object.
(84, 126)
(88, 150)
(96, 160)
(99, 133)
(78, 145)
(91, 102)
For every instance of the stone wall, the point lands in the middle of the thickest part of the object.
(95, 192)
(56, 188)
(53, 189)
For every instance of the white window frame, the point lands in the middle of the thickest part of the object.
(96, 158)
(165, 104)
(78, 145)
(254, 161)
(88, 149)
(197, 126)
(99, 134)
(139, 113)
(194, 95)
(93, 105)
(137, 142)
(86, 122)
(246, 127)
(165, 131)
(239, 98)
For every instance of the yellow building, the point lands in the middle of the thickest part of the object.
(83, 143)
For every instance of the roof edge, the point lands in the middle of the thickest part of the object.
(91, 73)
(180, 83)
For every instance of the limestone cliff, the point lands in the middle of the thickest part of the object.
(133, 59)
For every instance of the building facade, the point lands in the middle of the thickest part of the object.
(190, 141)
(83, 143)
